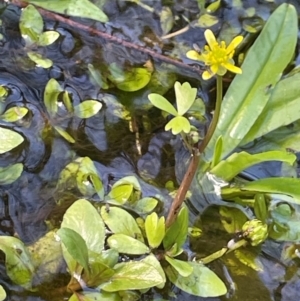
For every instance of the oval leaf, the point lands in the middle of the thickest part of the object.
(52, 90)
(14, 114)
(155, 229)
(2, 293)
(183, 268)
(134, 275)
(39, 60)
(87, 108)
(162, 103)
(120, 221)
(48, 37)
(202, 282)
(127, 245)
(75, 245)
(11, 138)
(10, 173)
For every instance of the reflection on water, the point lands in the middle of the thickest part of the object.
(107, 138)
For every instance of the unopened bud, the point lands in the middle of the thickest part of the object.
(255, 231)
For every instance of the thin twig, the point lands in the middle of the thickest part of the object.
(113, 39)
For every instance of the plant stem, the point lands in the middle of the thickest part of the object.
(189, 175)
(216, 115)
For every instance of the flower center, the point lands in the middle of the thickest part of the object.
(217, 54)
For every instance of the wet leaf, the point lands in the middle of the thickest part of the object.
(108, 257)
(2, 293)
(177, 232)
(31, 24)
(207, 20)
(52, 91)
(10, 173)
(213, 6)
(127, 245)
(155, 229)
(288, 187)
(3, 92)
(232, 219)
(47, 38)
(182, 267)
(83, 218)
(95, 296)
(14, 114)
(39, 60)
(237, 162)
(162, 103)
(217, 152)
(134, 80)
(64, 134)
(122, 193)
(283, 103)
(249, 92)
(260, 207)
(75, 245)
(134, 275)
(185, 96)
(166, 19)
(87, 108)
(202, 282)
(249, 258)
(18, 262)
(75, 8)
(152, 260)
(68, 102)
(12, 139)
(178, 124)
(145, 205)
(120, 221)
(97, 77)
(99, 272)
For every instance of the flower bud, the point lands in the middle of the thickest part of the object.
(255, 231)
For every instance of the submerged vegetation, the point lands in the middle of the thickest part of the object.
(126, 239)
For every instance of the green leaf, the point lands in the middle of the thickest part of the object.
(68, 102)
(99, 272)
(260, 207)
(177, 232)
(97, 78)
(284, 186)
(18, 262)
(120, 221)
(249, 258)
(211, 8)
(83, 218)
(162, 103)
(238, 162)
(75, 8)
(95, 296)
(75, 245)
(145, 205)
(202, 282)
(155, 229)
(52, 91)
(11, 138)
(39, 60)
(14, 114)
(47, 38)
(207, 20)
(178, 124)
(182, 267)
(31, 24)
(232, 219)
(281, 109)
(185, 96)
(64, 134)
(134, 275)
(121, 194)
(166, 19)
(127, 245)
(10, 173)
(2, 293)
(249, 92)
(87, 108)
(134, 80)
(217, 152)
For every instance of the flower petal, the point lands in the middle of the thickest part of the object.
(194, 55)
(207, 75)
(232, 68)
(210, 38)
(221, 70)
(234, 43)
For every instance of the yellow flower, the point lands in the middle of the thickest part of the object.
(216, 55)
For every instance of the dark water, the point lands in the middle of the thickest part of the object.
(106, 138)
